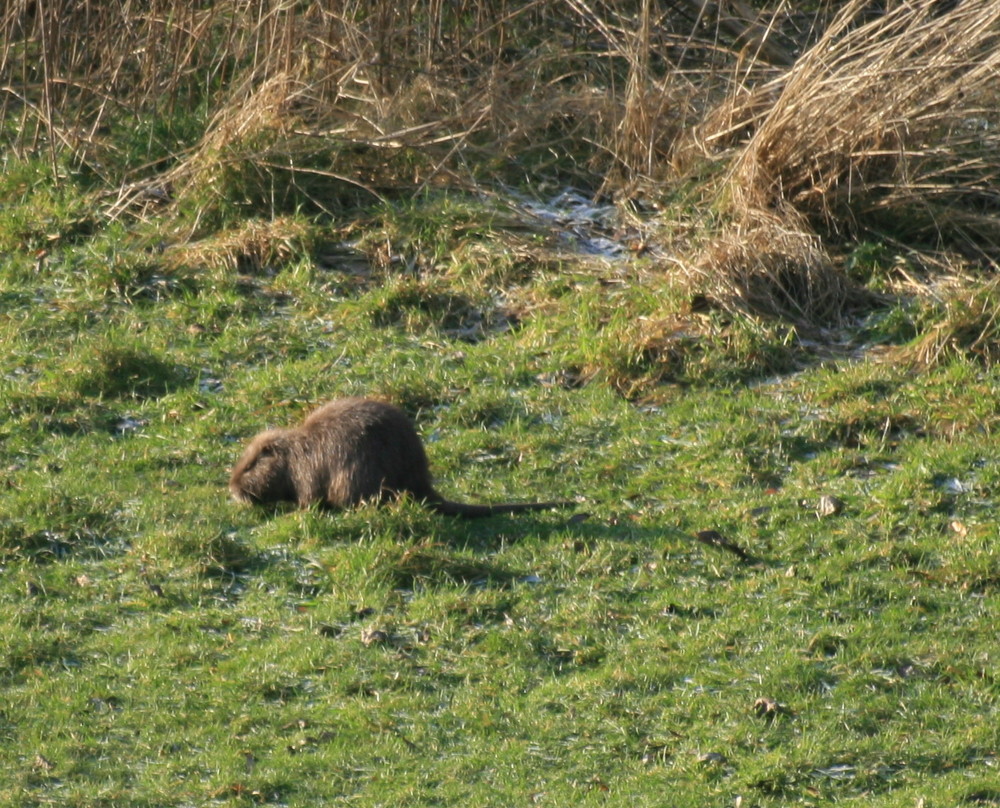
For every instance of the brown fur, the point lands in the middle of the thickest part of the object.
(349, 451)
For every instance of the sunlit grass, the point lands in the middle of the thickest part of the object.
(160, 645)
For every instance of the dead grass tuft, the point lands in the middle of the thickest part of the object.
(772, 265)
(890, 116)
(254, 247)
(888, 123)
(328, 99)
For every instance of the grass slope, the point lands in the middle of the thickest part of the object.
(161, 646)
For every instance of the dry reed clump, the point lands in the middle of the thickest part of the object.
(876, 116)
(244, 157)
(888, 122)
(220, 169)
(277, 147)
(303, 139)
(254, 247)
(772, 265)
(344, 101)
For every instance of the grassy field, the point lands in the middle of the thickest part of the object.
(755, 358)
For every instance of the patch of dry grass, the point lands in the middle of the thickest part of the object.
(876, 115)
(370, 95)
(772, 265)
(886, 124)
(253, 247)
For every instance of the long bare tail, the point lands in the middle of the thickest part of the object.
(474, 511)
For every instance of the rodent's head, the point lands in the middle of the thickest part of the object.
(263, 473)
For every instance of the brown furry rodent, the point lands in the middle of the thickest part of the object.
(346, 452)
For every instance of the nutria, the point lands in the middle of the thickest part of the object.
(346, 452)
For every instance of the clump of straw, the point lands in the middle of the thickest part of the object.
(898, 111)
(890, 124)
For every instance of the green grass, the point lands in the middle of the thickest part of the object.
(160, 645)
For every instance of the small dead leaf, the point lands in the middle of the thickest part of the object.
(43, 763)
(959, 528)
(713, 759)
(83, 581)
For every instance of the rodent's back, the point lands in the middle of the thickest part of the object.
(365, 450)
